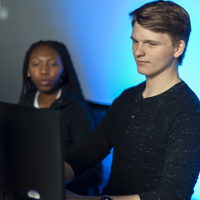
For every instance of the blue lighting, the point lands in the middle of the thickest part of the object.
(97, 34)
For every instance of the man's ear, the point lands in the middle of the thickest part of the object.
(179, 48)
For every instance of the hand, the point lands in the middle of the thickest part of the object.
(80, 197)
(72, 196)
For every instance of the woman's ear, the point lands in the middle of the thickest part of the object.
(62, 77)
(180, 46)
(64, 73)
(28, 74)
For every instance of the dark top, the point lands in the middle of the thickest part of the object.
(78, 122)
(156, 144)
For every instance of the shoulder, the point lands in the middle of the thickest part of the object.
(71, 101)
(182, 107)
(131, 93)
(185, 97)
(68, 97)
(28, 98)
(135, 89)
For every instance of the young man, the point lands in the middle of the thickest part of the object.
(153, 127)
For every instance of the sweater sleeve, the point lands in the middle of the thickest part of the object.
(94, 148)
(182, 160)
(79, 123)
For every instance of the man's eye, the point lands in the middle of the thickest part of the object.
(152, 44)
(135, 41)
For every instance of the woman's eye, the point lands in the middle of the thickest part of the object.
(54, 64)
(35, 64)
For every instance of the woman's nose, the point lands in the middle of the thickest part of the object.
(44, 69)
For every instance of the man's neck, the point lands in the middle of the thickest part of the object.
(156, 86)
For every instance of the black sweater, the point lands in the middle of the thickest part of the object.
(77, 117)
(156, 144)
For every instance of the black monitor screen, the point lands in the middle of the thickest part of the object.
(31, 161)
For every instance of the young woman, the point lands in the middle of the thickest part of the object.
(49, 81)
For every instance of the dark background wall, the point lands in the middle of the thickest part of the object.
(97, 34)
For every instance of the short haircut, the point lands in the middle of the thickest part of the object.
(165, 17)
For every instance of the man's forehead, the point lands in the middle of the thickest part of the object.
(141, 33)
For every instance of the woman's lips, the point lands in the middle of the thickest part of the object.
(44, 82)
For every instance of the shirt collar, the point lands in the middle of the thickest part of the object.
(35, 102)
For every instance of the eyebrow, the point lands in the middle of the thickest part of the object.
(146, 41)
(37, 57)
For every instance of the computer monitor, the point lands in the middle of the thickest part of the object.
(31, 160)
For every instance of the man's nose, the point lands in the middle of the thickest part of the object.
(139, 50)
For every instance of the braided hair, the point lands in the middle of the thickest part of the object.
(69, 75)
